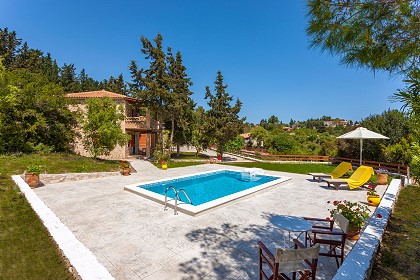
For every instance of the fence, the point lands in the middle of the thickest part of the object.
(391, 167)
(264, 156)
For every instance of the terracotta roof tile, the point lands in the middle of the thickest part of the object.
(99, 94)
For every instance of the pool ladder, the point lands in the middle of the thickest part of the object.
(177, 198)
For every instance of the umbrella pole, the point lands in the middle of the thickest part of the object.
(361, 151)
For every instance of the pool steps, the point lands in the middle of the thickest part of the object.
(177, 198)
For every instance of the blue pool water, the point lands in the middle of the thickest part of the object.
(207, 187)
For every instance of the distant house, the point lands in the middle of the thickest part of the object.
(246, 136)
(336, 122)
(142, 128)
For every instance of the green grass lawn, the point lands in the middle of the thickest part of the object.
(399, 254)
(303, 168)
(26, 249)
(175, 164)
(189, 155)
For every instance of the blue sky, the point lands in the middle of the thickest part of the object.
(260, 47)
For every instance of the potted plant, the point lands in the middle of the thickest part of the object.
(373, 198)
(162, 157)
(382, 176)
(32, 176)
(356, 213)
(125, 167)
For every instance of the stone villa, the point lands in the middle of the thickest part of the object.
(137, 123)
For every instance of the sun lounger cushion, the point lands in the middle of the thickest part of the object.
(338, 171)
(360, 176)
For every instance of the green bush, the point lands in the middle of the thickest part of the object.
(415, 163)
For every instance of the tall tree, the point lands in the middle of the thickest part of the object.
(87, 83)
(152, 84)
(273, 120)
(50, 68)
(180, 106)
(116, 85)
(68, 78)
(200, 140)
(9, 46)
(222, 120)
(102, 128)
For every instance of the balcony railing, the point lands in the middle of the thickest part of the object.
(140, 123)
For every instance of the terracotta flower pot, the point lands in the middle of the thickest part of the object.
(126, 171)
(32, 179)
(373, 200)
(353, 233)
(382, 179)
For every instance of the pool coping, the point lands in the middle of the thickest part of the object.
(205, 207)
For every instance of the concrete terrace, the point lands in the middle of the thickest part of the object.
(134, 238)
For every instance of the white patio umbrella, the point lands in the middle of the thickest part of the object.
(362, 133)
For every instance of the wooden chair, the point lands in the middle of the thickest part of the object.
(300, 261)
(324, 233)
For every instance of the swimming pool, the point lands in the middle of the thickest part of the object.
(206, 190)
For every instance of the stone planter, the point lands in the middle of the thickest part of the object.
(373, 200)
(382, 179)
(32, 179)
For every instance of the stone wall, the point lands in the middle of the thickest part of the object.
(58, 178)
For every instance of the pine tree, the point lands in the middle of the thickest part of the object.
(222, 120)
(68, 79)
(379, 35)
(152, 84)
(9, 46)
(180, 106)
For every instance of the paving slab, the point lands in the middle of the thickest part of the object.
(134, 238)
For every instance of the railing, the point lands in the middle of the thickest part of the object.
(140, 123)
(391, 167)
(265, 156)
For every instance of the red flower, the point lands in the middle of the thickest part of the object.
(328, 218)
(335, 202)
(379, 216)
(370, 187)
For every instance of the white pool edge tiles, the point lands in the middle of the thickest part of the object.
(358, 263)
(85, 263)
(200, 209)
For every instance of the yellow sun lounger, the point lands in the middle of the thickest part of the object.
(357, 179)
(339, 171)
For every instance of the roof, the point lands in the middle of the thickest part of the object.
(99, 94)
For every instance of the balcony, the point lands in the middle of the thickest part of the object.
(141, 123)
